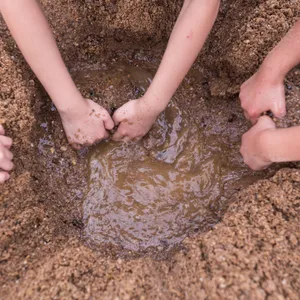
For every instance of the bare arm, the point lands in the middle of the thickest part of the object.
(265, 89)
(188, 36)
(285, 56)
(283, 144)
(264, 144)
(32, 33)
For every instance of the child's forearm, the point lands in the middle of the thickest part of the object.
(189, 34)
(34, 37)
(282, 145)
(285, 56)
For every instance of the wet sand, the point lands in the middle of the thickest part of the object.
(253, 250)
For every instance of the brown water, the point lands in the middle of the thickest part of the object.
(154, 193)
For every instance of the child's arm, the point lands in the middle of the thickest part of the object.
(263, 144)
(6, 156)
(33, 35)
(189, 34)
(265, 90)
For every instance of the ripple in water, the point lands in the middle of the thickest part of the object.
(155, 192)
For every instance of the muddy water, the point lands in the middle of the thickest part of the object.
(156, 192)
(152, 193)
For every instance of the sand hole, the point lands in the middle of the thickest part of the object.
(156, 192)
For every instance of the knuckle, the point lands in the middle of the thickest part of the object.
(96, 140)
(242, 152)
(253, 167)
(9, 155)
(246, 161)
(9, 141)
(251, 111)
(241, 94)
(123, 131)
(243, 139)
(75, 145)
(10, 166)
(243, 104)
(7, 165)
(91, 141)
(241, 148)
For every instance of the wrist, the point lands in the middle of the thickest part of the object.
(271, 71)
(72, 107)
(154, 103)
(269, 144)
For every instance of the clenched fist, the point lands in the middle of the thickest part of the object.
(86, 124)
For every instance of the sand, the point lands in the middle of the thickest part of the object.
(252, 253)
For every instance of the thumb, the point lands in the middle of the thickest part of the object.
(266, 123)
(279, 109)
(107, 120)
(117, 116)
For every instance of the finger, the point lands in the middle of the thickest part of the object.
(253, 117)
(8, 154)
(102, 135)
(6, 164)
(107, 120)
(137, 139)
(253, 120)
(105, 135)
(258, 167)
(6, 141)
(246, 115)
(4, 176)
(76, 146)
(266, 122)
(5, 154)
(279, 109)
(126, 139)
(2, 131)
(117, 117)
(117, 137)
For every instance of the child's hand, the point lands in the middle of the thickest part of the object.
(255, 147)
(259, 94)
(135, 118)
(87, 123)
(6, 156)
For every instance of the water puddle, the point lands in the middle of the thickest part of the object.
(177, 181)
(154, 193)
